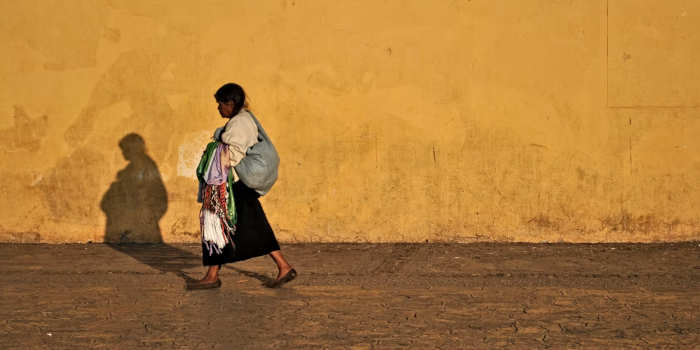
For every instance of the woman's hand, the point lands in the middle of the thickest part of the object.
(217, 134)
(225, 158)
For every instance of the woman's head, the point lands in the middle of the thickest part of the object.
(231, 99)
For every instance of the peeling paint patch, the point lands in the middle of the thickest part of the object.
(26, 134)
(37, 180)
(543, 221)
(70, 191)
(190, 151)
(627, 222)
(20, 237)
(112, 34)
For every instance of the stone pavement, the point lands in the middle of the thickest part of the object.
(354, 296)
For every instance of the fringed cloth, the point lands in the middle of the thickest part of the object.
(216, 230)
(218, 214)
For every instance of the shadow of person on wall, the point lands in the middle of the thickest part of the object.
(134, 205)
(137, 200)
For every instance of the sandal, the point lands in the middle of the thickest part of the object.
(204, 285)
(288, 277)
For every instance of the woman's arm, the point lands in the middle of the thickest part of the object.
(239, 134)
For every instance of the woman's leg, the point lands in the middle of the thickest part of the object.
(283, 266)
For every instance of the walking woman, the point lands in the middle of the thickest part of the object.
(233, 223)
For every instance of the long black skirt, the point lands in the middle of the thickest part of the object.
(254, 236)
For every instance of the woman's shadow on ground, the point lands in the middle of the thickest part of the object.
(134, 204)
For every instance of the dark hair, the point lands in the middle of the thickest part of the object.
(232, 93)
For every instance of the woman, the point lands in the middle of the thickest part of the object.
(233, 229)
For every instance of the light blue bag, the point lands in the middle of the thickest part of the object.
(258, 169)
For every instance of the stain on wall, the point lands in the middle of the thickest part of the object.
(412, 121)
(26, 134)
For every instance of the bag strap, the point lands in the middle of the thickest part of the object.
(260, 128)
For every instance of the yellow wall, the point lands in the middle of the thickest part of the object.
(460, 121)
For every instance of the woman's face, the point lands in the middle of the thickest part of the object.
(225, 109)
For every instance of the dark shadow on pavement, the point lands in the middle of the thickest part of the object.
(160, 256)
(264, 280)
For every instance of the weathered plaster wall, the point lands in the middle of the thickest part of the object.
(530, 120)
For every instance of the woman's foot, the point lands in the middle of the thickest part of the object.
(285, 271)
(283, 278)
(201, 284)
(206, 279)
(210, 280)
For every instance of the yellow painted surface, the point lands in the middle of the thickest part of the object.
(460, 121)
